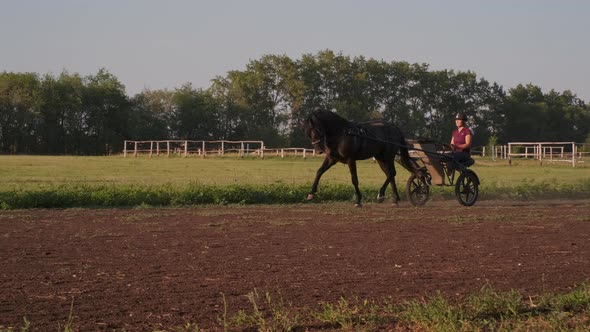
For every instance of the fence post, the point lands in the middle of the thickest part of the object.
(573, 154)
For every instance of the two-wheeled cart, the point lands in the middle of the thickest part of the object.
(439, 168)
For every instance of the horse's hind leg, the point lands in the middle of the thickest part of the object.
(387, 171)
(388, 168)
(355, 182)
(392, 171)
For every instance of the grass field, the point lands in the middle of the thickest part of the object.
(20, 172)
(53, 175)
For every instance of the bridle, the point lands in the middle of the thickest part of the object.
(321, 138)
(319, 133)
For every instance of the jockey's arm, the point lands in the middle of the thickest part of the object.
(467, 143)
(462, 146)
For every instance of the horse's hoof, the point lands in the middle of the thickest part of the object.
(310, 197)
(380, 199)
(358, 205)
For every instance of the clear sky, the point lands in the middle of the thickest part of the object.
(164, 44)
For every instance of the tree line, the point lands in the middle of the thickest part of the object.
(268, 100)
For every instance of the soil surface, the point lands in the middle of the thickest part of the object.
(148, 269)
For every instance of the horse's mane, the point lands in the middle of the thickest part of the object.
(329, 118)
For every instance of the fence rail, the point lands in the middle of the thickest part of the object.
(188, 147)
(185, 148)
(542, 151)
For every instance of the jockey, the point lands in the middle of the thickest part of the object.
(461, 140)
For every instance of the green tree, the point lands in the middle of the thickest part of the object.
(19, 112)
(195, 114)
(568, 116)
(62, 117)
(525, 114)
(152, 113)
(229, 109)
(106, 108)
(394, 95)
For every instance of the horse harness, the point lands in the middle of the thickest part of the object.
(357, 131)
(353, 131)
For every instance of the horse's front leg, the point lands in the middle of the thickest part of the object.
(325, 166)
(355, 182)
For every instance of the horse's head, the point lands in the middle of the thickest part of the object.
(322, 126)
(315, 132)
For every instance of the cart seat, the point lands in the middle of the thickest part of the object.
(433, 165)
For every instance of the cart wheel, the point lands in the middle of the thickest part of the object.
(417, 190)
(466, 188)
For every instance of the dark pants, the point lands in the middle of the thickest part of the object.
(462, 156)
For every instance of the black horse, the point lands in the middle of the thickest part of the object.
(346, 142)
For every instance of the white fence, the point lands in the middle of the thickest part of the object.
(186, 148)
(288, 152)
(543, 151)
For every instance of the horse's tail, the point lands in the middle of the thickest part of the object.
(405, 159)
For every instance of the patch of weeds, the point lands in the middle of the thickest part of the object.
(223, 320)
(348, 314)
(436, 314)
(69, 324)
(380, 220)
(24, 328)
(143, 206)
(287, 221)
(187, 327)
(267, 314)
(138, 217)
(219, 223)
(212, 213)
(341, 209)
(495, 217)
(460, 219)
(464, 219)
(486, 310)
(574, 301)
(491, 305)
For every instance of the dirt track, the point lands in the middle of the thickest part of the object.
(153, 268)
